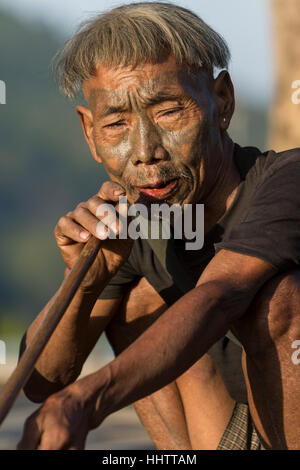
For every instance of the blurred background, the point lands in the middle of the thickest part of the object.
(46, 168)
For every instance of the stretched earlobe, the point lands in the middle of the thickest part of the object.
(224, 123)
(224, 96)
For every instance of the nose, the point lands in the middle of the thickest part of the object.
(147, 145)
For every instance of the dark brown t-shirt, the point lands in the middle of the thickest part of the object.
(263, 221)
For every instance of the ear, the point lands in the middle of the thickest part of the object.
(87, 124)
(224, 96)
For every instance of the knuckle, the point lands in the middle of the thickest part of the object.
(80, 205)
(59, 227)
(106, 186)
(63, 220)
(94, 201)
(80, 209)
(101, 231)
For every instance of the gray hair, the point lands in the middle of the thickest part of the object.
(138, 33)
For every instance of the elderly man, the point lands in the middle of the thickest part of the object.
(157, 119)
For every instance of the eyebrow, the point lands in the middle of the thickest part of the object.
(160, 97)
(107, 110)
(148, 99)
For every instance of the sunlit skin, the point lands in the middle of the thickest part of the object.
(157, 124)
(161, 133)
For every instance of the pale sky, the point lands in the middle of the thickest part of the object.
(245, 25)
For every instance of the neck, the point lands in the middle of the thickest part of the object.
(224, 188)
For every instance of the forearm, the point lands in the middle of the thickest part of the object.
(62, 358)
(169, 347)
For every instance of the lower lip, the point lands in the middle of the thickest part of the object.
(160, 193)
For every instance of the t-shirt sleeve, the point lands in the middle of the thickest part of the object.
(118, 285)
(270, 228)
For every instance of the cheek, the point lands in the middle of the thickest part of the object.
(114, 157)
(186, 146)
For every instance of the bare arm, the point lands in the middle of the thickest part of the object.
(63, 357)
(68, 348)
(182, 334)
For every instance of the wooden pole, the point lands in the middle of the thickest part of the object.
(52, 317)
(285, 110)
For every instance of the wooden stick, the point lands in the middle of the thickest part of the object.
(52, 317)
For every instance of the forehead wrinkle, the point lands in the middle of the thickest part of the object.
(111, 101)
(163, 87)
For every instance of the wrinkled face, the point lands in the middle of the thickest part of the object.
(155, 128)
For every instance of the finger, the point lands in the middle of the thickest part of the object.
(98, 206)
(123, 219)
(122, 207)
(111, 191)
(102, 229)
(67, 230)
(111, 215)
(106, 212)
(31, 434)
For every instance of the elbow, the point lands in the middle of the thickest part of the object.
(37, 389)
(34, 396)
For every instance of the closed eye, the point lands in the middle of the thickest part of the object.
(115, 124)
(171, 111)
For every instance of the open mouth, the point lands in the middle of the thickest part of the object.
(161, 190)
